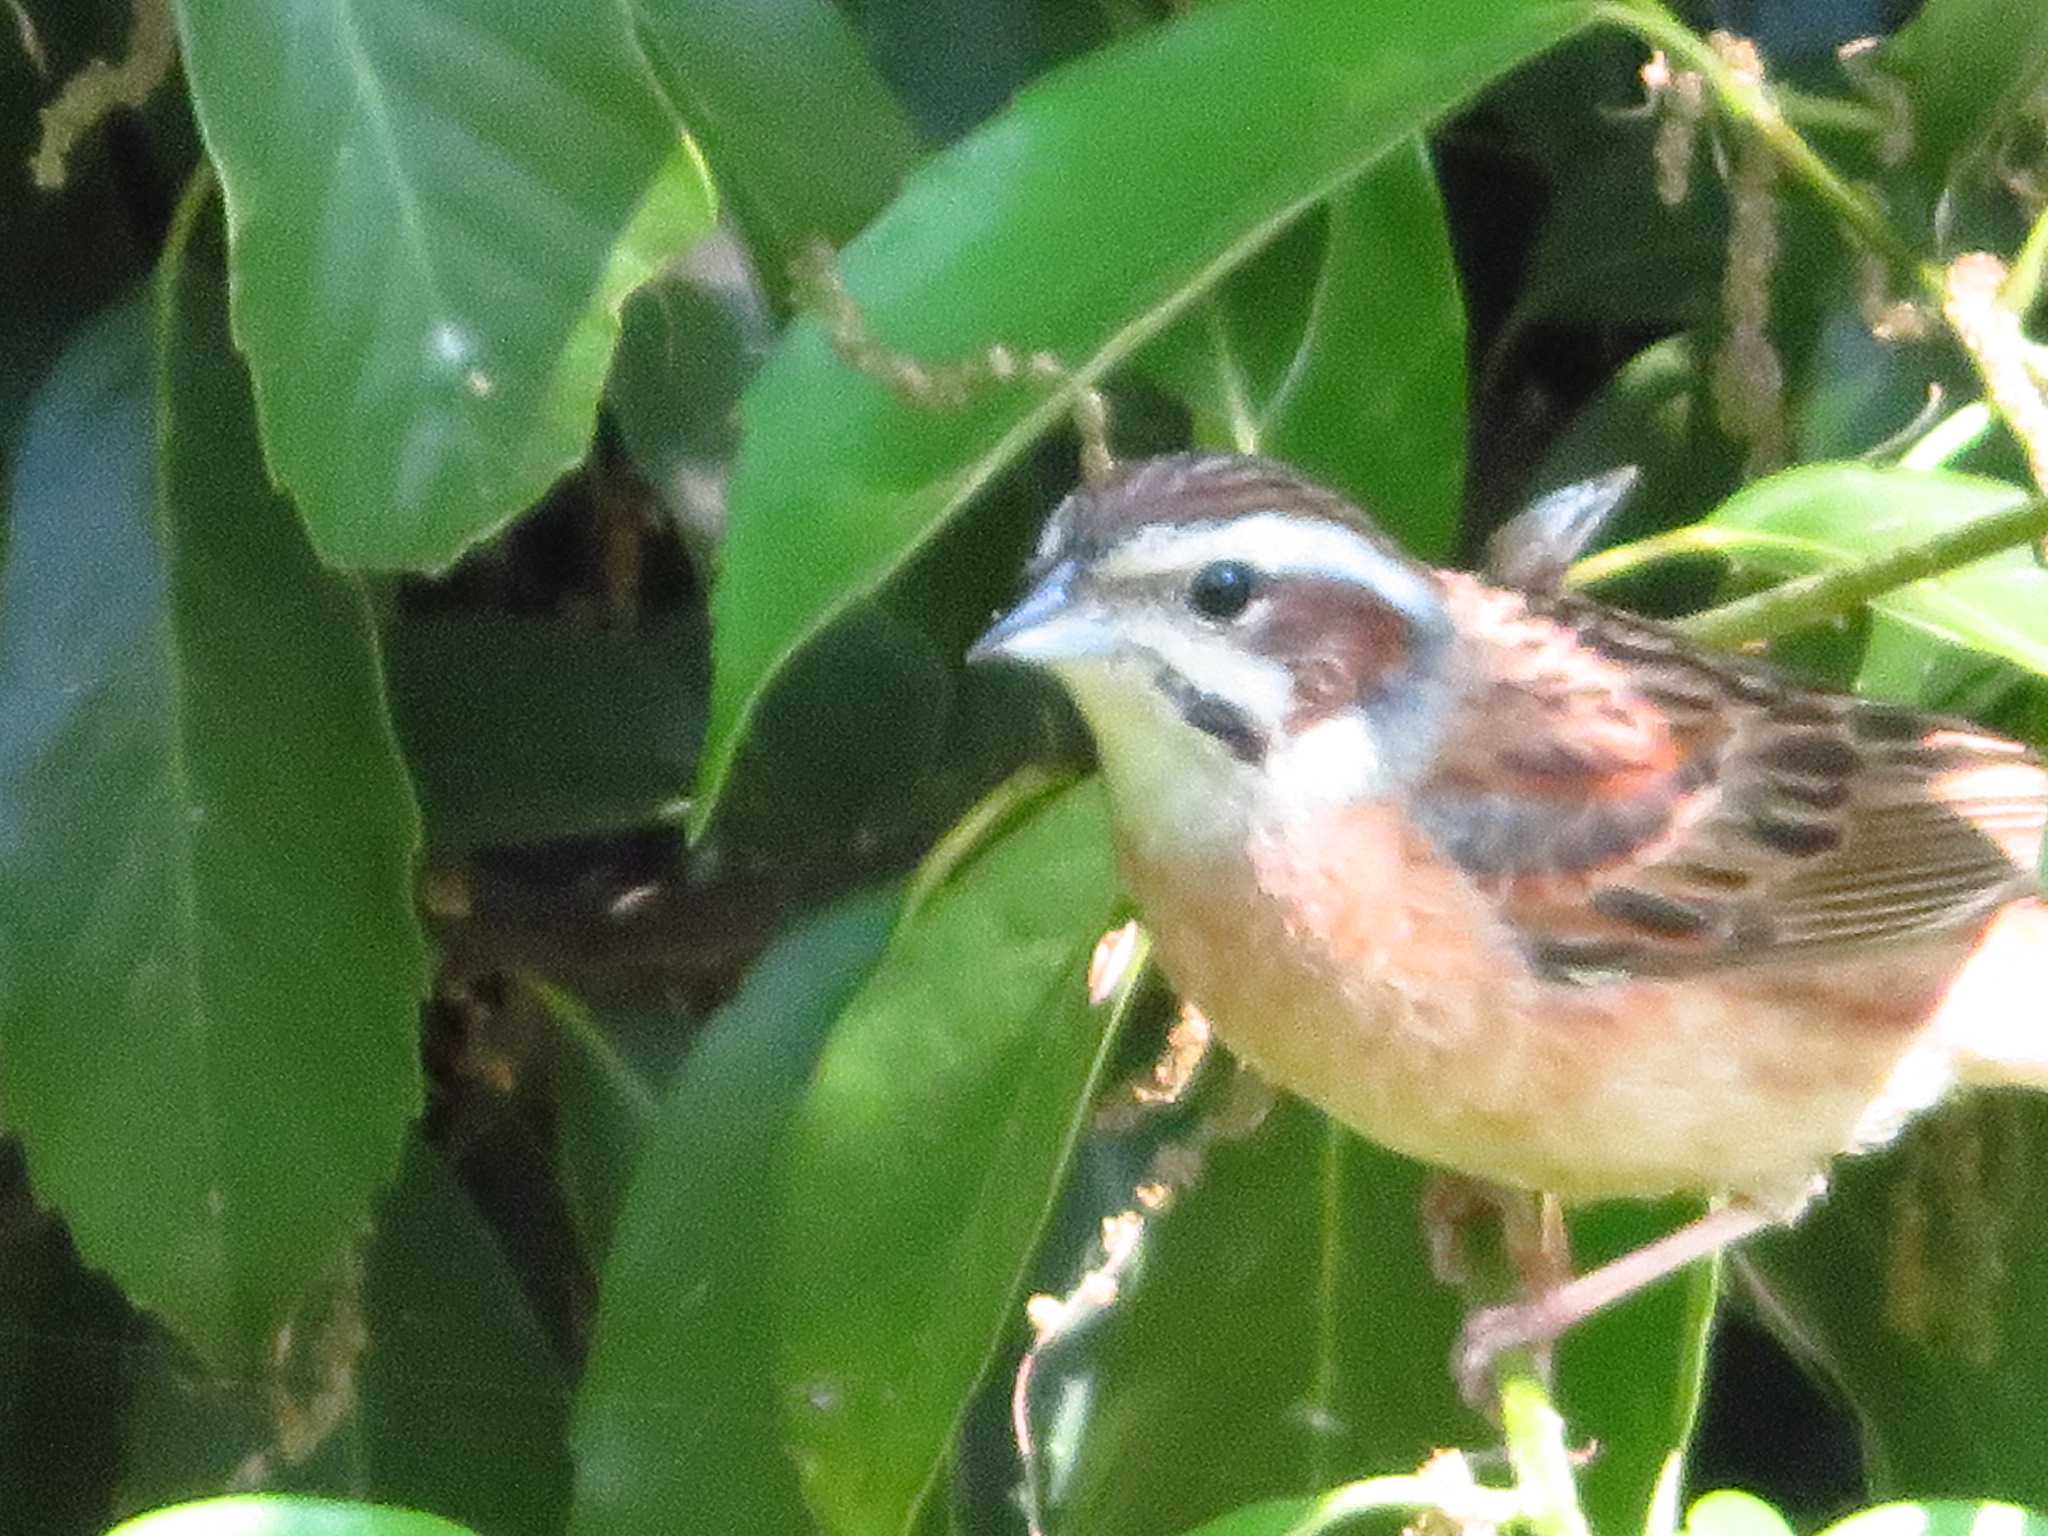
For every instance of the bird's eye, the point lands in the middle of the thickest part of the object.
(1222, 589)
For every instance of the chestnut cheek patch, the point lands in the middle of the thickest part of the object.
(1340, 645)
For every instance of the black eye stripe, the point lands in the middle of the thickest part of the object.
(1213, 715)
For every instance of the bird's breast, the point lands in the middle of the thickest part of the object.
(1356, 968)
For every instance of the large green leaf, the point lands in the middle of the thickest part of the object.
(1629, 1379)
(463, 1405)
(803, 136)
(677, 1424)
(1110, 197)
(1915, 1286)
(1375, 400)
(206, 929)
(1285, 1335)
(458, 1405)
(1344, 353)
(1821, 516)
(436, 208)
(1942, 1517)
(926, 1157)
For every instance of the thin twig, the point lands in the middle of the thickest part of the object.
(1809, 600)
(1752, 103)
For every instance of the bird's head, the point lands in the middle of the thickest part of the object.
(1229, 627)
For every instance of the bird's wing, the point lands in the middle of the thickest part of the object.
(1633, 807)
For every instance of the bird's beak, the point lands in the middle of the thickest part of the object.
(1047, 627)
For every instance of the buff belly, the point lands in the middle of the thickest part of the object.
(1402, 1011)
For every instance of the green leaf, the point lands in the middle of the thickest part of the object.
(1970, 65)
(521, 729)
(1272, 1517)
(206, 927)
(1279, 1303)
(1629, 1378)
(436, 208)
(1942, 1517)
(458, 1405)
(926, 1158)
(804, 138)
(605, 1113)
(270, 1514)
(1284, 1335)
(1347, 358)
(1375, 401)
(1730, 1512)
(464, 1406)
(1914, 1286)
(1109, 198)
(1824, 515)
(677, 1418)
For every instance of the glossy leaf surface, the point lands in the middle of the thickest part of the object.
(1913, 1287)
(926, 1156)
(1728, 1512)
(677, 1411)
(1831, 514)
(1285, 1335)
(803, 136)
(258, 1514)
(206, 929)
(436, 208)
(1343, 353)
(1942, 1517)
(1108, 199)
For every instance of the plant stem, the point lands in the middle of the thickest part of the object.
(1962, 429)
(1537, 1449)
(1750, 102)
(967, 836)
(2023, 284)
(1808, 600)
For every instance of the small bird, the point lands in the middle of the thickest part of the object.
(1526, 887)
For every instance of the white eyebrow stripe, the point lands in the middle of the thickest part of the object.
(1279, 544)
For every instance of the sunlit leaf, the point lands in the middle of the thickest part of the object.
(677, 1411)
(1344, 353)
(926, 1158)
(804, 138)
(211, 962)
(264, 1514)
(436, 208)
(1832, 514)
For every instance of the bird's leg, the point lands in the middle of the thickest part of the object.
(1532, 1230)
(1540, 1318)
(1532, 1235)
